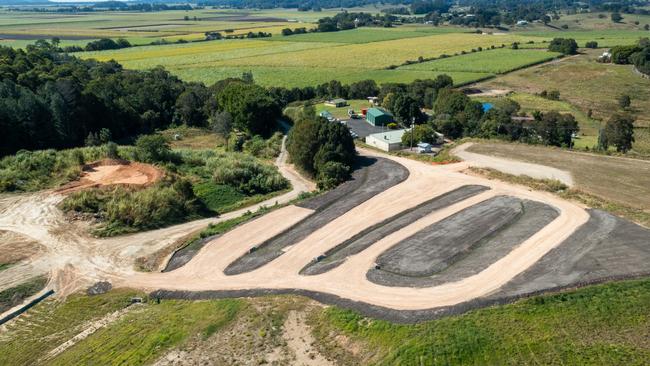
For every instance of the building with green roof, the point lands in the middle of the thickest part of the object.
(378, 117)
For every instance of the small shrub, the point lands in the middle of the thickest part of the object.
(332, 174)
(246, 174)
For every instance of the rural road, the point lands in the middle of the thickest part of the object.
(511, 166)
(206, 270)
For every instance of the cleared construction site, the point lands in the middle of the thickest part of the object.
(408, 241)
(402, 240)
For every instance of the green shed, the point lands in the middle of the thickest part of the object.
(378, 117)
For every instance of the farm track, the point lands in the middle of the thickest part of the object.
(512, 166)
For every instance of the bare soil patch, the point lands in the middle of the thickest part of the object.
(110, 172)
(15, 247)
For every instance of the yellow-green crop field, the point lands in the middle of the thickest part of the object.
(317, 58)
(298, 60)
(497, 61)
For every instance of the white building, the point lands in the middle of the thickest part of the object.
(387, 141)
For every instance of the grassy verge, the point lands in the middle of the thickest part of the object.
(140, 336)
(15, 295)
(637, 215)
(4, 266)
(603, 324)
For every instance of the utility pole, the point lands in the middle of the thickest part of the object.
(412, 131)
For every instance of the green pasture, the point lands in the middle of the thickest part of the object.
(305, 76)
(367, 35)
(496, 61)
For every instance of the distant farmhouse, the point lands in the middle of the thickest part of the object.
(339, 102)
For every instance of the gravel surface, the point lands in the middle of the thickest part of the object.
(484, 253)
(441, 245)
(605, 247)
(374, 176)
(369, 236)
(511, 166)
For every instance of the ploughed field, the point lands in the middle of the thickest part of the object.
(407, 241)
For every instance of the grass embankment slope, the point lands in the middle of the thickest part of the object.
(586, 85)
(15, 295)
(604, 324)
(616, 184)
(599, 325)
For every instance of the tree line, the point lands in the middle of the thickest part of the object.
(637, 55)
(54, 100)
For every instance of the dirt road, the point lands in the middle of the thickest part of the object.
(206, 270)
(75, 260)
(512, 166)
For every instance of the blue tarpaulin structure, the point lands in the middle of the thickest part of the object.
(487, 107)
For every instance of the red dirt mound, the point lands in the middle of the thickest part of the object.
(109, 172)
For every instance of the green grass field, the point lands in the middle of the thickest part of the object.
(496, 61)
(290, 61)
(603, 324)
(599, 325)
(605, 38)
(286, 62)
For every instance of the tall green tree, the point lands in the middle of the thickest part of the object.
(252, 109)
(619, 131)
